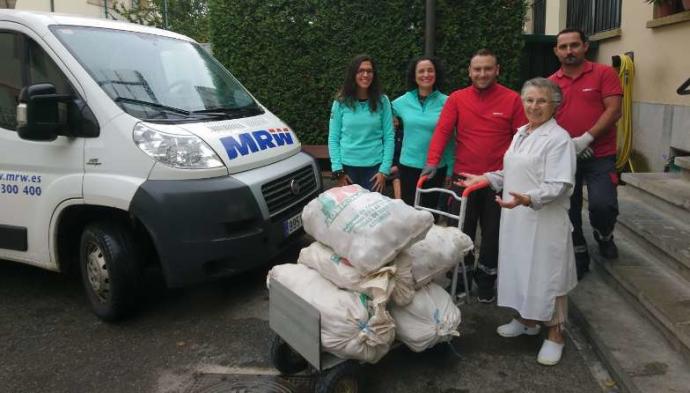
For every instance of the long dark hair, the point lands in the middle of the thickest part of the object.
(348, 93)
(412, 72)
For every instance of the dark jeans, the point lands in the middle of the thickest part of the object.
(361, 175)
(601, 178)
(481, 209)
(408, 185)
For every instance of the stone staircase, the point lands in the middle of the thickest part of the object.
(637, 307)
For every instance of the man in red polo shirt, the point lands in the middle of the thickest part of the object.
(484, 116)
(589, 111)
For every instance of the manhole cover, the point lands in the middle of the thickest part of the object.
(217, 383)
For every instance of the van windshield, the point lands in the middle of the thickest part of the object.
(157, 78)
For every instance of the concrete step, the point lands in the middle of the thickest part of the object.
(636, 354)
(670, 191)
(657, 292)
(652, 227)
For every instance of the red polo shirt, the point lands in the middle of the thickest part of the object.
(485, 122)
(583, 103)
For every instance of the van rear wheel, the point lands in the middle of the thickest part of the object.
(109, 262)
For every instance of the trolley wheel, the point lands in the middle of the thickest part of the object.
(343, 378)
(286, 359)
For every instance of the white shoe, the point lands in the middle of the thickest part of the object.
(550, 353)
(515, 328)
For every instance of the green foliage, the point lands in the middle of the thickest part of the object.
(188, 17)
(292, 54)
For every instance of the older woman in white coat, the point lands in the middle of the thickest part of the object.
(536, 264)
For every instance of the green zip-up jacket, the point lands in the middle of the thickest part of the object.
(359, 137)
(419, 120)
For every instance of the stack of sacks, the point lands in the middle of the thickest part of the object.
(373, 245)
(348, 329)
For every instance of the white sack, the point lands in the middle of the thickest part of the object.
(367, 228)
(347, 329)
(403, 282)
(432, 317)
(438, 253)
(338, 270)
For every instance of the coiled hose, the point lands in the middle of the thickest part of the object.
(626, 73)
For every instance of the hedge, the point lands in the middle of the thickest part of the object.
(292, 54)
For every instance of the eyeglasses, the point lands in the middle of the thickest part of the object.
(537, 102)
(365, 71)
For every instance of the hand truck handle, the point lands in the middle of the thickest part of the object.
(475, 187)
(465, 193)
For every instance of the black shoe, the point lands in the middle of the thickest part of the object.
(607, 248)
(486, 295)
(581, 261)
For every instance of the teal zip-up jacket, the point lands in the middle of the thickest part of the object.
(419, 120)
(359, 137)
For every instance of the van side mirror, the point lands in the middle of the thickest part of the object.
(41, 112)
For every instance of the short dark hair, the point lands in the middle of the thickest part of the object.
(348, 92)
(484, 52)
(583, 37)
(412, 72)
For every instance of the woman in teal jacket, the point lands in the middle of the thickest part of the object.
(360, 132)
(418, 111)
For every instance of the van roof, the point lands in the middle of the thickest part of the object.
(40, 21)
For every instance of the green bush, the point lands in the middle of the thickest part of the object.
(292, 54)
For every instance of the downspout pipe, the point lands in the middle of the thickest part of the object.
(430, 28)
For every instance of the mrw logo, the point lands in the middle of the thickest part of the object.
(254, 141)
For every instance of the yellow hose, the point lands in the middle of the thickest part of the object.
(626, 73)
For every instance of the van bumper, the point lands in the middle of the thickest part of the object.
(208, 228)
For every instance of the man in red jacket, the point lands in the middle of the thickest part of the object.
(589, 111)
(484, 117)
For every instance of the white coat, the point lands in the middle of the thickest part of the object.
(536, 262)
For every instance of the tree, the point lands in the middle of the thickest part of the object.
(188, 17)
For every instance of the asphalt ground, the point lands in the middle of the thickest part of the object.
(215, 338)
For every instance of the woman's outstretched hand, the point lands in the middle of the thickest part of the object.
(517, 200)
(379, 180)
(470, 179)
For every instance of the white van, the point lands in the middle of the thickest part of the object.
(124, 147)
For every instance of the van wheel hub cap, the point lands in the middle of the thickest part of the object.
(97, 272)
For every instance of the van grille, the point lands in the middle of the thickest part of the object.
(279, 194)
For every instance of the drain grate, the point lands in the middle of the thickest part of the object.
(228, 383)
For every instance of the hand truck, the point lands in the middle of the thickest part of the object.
(460, 218)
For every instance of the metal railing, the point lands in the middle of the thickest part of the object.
(594, 16)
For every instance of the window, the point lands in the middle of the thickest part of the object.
(594, 16)
(14, 73)
(42, 69)
(10, 79)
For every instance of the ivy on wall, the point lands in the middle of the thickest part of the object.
(292, 54)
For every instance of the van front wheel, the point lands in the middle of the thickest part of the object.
(109, 263)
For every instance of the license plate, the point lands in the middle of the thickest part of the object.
(292, 224)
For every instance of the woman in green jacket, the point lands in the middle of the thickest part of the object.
(360, 132)
(418, 111)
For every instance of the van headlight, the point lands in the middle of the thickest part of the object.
(180, 150)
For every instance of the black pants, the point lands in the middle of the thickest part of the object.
(408, 185)
(361, 175)
(600, 176)
(481, 209)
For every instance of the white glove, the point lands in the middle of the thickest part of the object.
(586, 154)
(582, 142)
